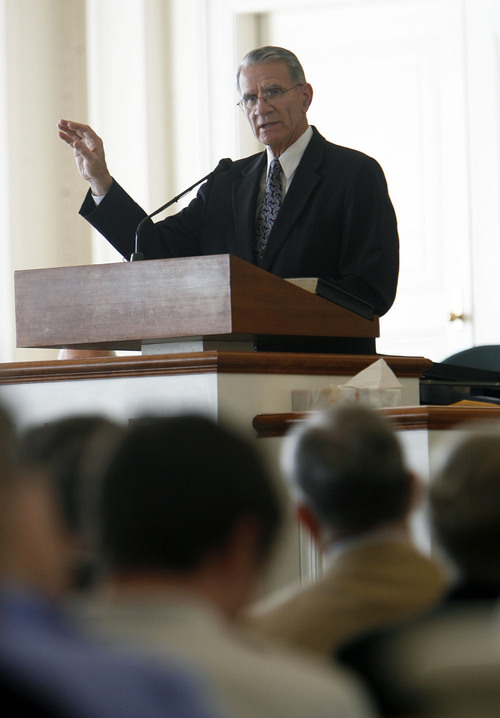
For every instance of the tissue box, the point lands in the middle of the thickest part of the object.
(314, 399)
(375, 386)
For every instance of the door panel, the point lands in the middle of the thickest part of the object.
(389, 80)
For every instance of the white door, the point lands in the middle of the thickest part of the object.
(390, 80)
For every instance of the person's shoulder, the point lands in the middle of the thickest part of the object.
(286, 677)
(303, 676)
(238, 169)
(247, 163)
(338, 152)
(289, 610)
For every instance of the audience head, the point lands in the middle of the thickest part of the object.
(46, 550)
(30, 547)
(178, 492)
(8, 441)
(347, 472)
(465, 504)
(64, 448)
(60, 453)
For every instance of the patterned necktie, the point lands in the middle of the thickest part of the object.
(269, 209)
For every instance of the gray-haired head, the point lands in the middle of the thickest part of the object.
(269, 53)
(347, 465)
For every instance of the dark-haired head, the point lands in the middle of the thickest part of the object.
(465, 504)
(174, 491)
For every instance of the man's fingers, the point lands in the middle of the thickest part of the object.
(64, 136)
(71, 126)
(82, 148)
(73, 131)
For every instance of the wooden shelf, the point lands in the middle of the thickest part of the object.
(405, 418)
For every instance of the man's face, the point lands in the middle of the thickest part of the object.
(279, 122)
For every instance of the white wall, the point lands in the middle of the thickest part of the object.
(6, 306)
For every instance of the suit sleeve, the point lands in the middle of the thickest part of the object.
(369, 262)
(117, 216)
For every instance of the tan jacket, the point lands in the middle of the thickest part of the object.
(368, 585)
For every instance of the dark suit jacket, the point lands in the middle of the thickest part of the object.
(336, 222)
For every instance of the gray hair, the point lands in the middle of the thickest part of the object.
(269, 53)
(347, 465)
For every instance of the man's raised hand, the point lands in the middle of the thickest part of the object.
(89, 154)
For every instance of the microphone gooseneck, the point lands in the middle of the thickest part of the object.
(224, 164)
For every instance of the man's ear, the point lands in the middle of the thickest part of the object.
(307, 95)
(308, 519)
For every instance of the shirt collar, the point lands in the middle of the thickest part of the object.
(382, 535)
(291, 157)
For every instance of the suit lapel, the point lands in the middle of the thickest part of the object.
(305, 180)
(245, 191)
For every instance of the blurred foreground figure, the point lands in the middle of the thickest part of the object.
(448, 663)
(47, 665)
(187, 517)
(65, 451)
(465, 515)
(355, 495)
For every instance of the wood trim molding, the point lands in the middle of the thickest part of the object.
(231, 362)
(440, 417)
(406, 418)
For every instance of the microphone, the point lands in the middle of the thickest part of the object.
(224, 164)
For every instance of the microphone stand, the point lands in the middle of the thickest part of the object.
(137, 256)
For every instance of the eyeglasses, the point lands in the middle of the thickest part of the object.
(271, 97)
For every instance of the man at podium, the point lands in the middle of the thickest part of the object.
(304, 207)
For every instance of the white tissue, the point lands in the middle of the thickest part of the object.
(375, 386)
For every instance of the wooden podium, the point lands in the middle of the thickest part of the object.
(172, 305)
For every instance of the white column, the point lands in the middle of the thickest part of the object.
(131, 99)
(44, 78)
(6, 300)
